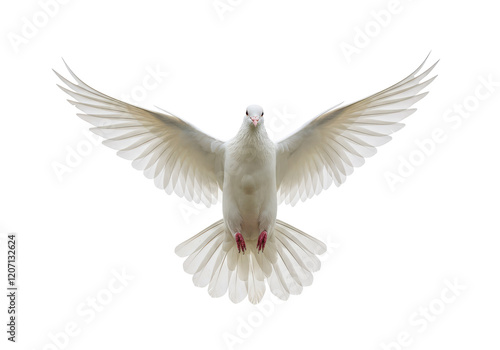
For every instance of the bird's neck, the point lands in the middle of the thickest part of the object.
(250, 134)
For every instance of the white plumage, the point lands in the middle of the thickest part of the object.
(254, 175)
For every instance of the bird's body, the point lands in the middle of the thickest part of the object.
(249, 245)
(249, 192)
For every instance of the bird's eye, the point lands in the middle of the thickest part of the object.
(247, 112)
(262, 114)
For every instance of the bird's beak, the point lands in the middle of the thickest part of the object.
(255, 120)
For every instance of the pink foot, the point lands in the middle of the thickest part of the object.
(240, 242)
(261, 243)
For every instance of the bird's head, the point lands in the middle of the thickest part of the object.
(255, 115)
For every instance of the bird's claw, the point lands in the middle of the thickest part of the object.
(261, 243)
(240, 242)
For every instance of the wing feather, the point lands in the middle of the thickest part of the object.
(328, 148)
(179, 157)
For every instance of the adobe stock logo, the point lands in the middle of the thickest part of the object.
(426, 315)
(33, 24)
(88, 310)
(223, 7)
(453, 117)
(365, 34)
(76, 153)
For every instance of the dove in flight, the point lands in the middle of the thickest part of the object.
(249, 246)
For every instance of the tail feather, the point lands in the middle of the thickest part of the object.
(193, 244)
(301, 238)
(270, 251)
(243, 265)
(220, 278)
(277, 288)
(237, 287)
(263, 266)
(288, 261)
(198, 260)
(203, 276)
(301, 275)
(256, 284)
(307, 260)
(232, 258)
(289, 285)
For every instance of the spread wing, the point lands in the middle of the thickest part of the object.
(328, 148)
(179, 157)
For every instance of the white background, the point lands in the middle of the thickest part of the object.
(391, 251)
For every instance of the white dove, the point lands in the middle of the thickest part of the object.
(249, 245)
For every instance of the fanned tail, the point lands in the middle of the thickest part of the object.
(288, 261)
